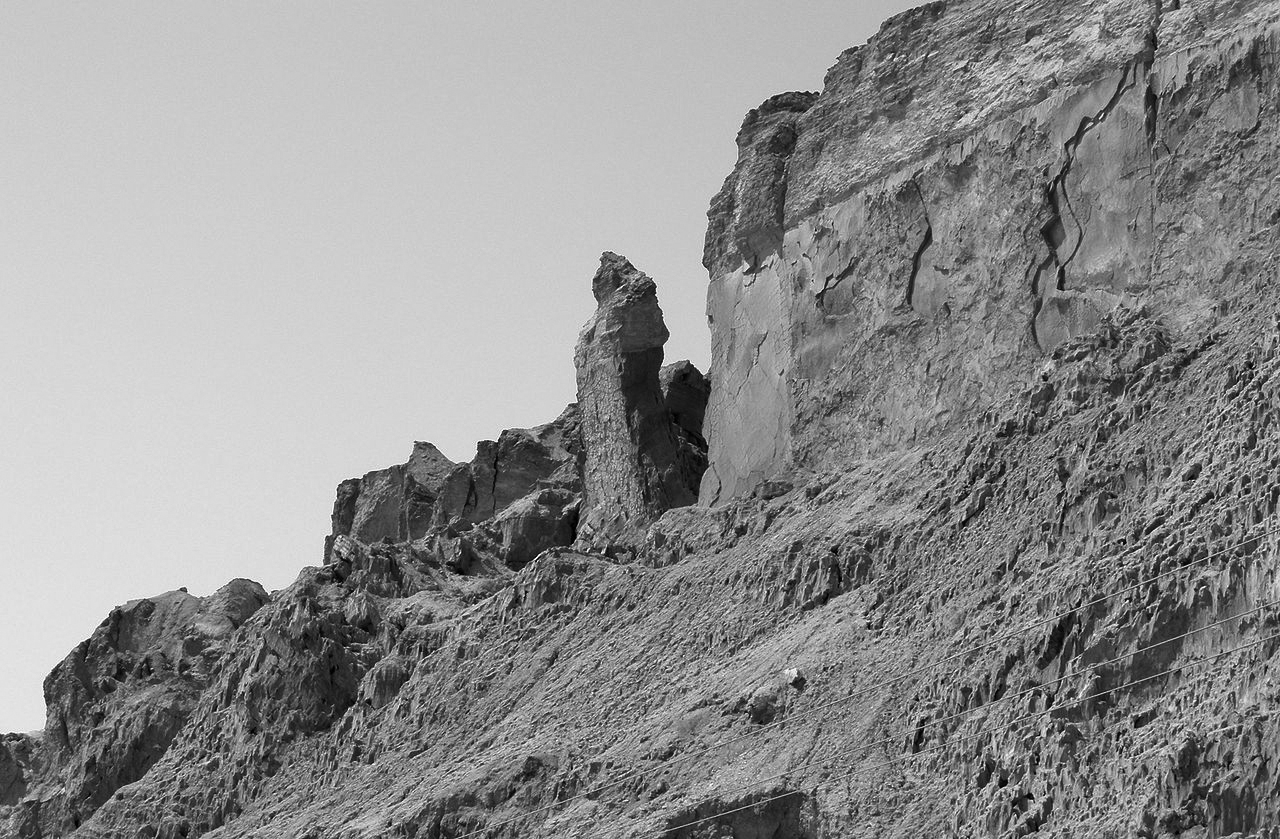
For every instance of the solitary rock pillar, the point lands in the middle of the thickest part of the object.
(634, 469)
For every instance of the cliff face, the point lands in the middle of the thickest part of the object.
(978, 184)
(520, 495)
(989, 542)
(413, 548)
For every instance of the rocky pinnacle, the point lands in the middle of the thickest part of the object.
(633, 470)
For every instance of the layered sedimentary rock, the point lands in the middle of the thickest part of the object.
(637, 459)
(996, 472)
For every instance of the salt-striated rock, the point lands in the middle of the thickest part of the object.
(633, 469)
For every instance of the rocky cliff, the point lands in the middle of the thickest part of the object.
(987, 544)
(978, 184)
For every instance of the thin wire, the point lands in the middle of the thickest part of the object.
(1026, 692)
(873, 688)
(961, 738)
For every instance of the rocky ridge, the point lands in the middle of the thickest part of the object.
(987, 542)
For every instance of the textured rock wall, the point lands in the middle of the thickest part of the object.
(976, 185)
(594, 698)
(115, 704)
(396, 503)
(411, 545)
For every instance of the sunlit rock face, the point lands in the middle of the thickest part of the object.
(978, 184)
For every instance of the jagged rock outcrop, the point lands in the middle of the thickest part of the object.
(116, 703)
(523, 488)
(994, 547)
(398, 503)
(635, 466)
(521, 461)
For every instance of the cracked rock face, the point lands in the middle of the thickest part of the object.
(396, 503)
(978, 184)
(637, 459)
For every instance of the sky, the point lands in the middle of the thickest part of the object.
(249, 249)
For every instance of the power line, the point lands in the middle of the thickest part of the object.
(666, 831)
(875, 687)
(1026, 692)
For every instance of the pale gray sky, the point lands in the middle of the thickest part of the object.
(250, 249)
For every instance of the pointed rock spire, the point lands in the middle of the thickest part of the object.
(637, 461)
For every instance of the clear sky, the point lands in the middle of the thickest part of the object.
(250, 249)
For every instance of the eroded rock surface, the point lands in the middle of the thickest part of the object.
(398, 503)
(116, 702)
(979, 183)
(995, 544)
(522, 490)
(638, 462)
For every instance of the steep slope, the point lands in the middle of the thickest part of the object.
(988, 538)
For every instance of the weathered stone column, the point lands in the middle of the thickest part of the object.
(634, 469)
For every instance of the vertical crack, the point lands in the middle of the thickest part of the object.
(1151, 99)
(925, 242)
(1058, 198)
(1151, 123)
(830, 283)
(1056, 193)
(493, 486)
